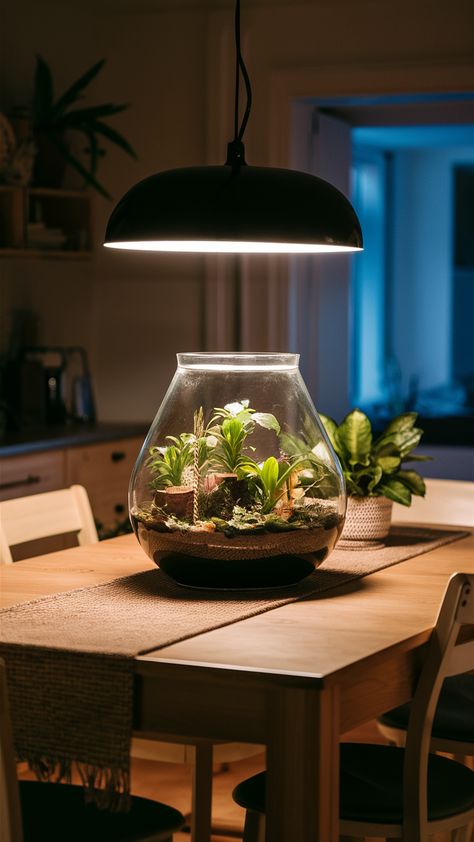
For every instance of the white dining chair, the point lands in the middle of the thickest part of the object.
(43, 515)
(392, 792)
(68, 510)
(446, 501)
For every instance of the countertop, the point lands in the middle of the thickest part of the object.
(71, 435)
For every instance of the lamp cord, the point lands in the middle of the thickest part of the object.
(240, 68)
(235, 149)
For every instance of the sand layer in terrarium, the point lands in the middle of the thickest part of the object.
(204, 541)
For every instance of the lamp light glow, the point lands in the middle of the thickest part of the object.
(230, 247)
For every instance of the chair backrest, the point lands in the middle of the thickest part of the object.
(446, 501)
(42, 515)
(450, 652)
(10, 812)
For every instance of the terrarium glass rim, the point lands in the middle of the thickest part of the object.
(237, 361)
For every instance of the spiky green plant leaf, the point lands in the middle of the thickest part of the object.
(74, 92)
(86, 116)
(114, 137)
(42, 92)
(86, 174)
(52, 119)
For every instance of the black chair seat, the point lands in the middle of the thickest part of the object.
(57, 812)
(454, 718)
(371, 784)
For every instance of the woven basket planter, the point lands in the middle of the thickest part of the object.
(367, 523)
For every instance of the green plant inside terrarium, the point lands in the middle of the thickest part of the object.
(209, 480)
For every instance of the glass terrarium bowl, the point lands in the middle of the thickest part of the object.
(236, 485)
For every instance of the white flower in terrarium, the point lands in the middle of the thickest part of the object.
(237, 406)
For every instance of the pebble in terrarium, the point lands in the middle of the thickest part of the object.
(241, 498)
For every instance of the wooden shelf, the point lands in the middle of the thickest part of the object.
(34, 222)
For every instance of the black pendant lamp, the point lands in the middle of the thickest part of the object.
(234, 207)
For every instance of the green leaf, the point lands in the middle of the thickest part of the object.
(385, 447)
(355, 435)
(395, 490)
(43, 92)
(401, 423)
(84, 116)
(352, 486)
(413, 481)
(266, 420)
(410, 442)
(72, 94)
(410, 457)
(388, 464)
(330, 427)
(250, 468)
(87, 176)
(403, 442)
(292, 445)
(113, 136)
(270, 473)
(377, 476)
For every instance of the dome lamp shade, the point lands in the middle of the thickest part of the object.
(234, 208)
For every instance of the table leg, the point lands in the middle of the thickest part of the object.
(303, 766)
(201, 808)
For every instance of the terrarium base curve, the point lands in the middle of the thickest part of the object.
(246, 561)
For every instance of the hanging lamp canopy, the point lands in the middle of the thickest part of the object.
(234, 207)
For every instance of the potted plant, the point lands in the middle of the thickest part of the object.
(53, 119)
(374, 471)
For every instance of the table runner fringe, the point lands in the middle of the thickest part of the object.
(108, 789)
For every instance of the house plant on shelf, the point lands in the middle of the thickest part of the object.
(374, 472)
(53, 120)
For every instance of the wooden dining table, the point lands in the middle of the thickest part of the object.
(293, 679)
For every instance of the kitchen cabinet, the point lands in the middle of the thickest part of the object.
(102, 467)
(104, 470)
(44, 222)
(32, 473)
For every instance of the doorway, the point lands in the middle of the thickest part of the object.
(409, 297)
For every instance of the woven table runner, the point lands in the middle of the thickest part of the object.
(70, 656)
